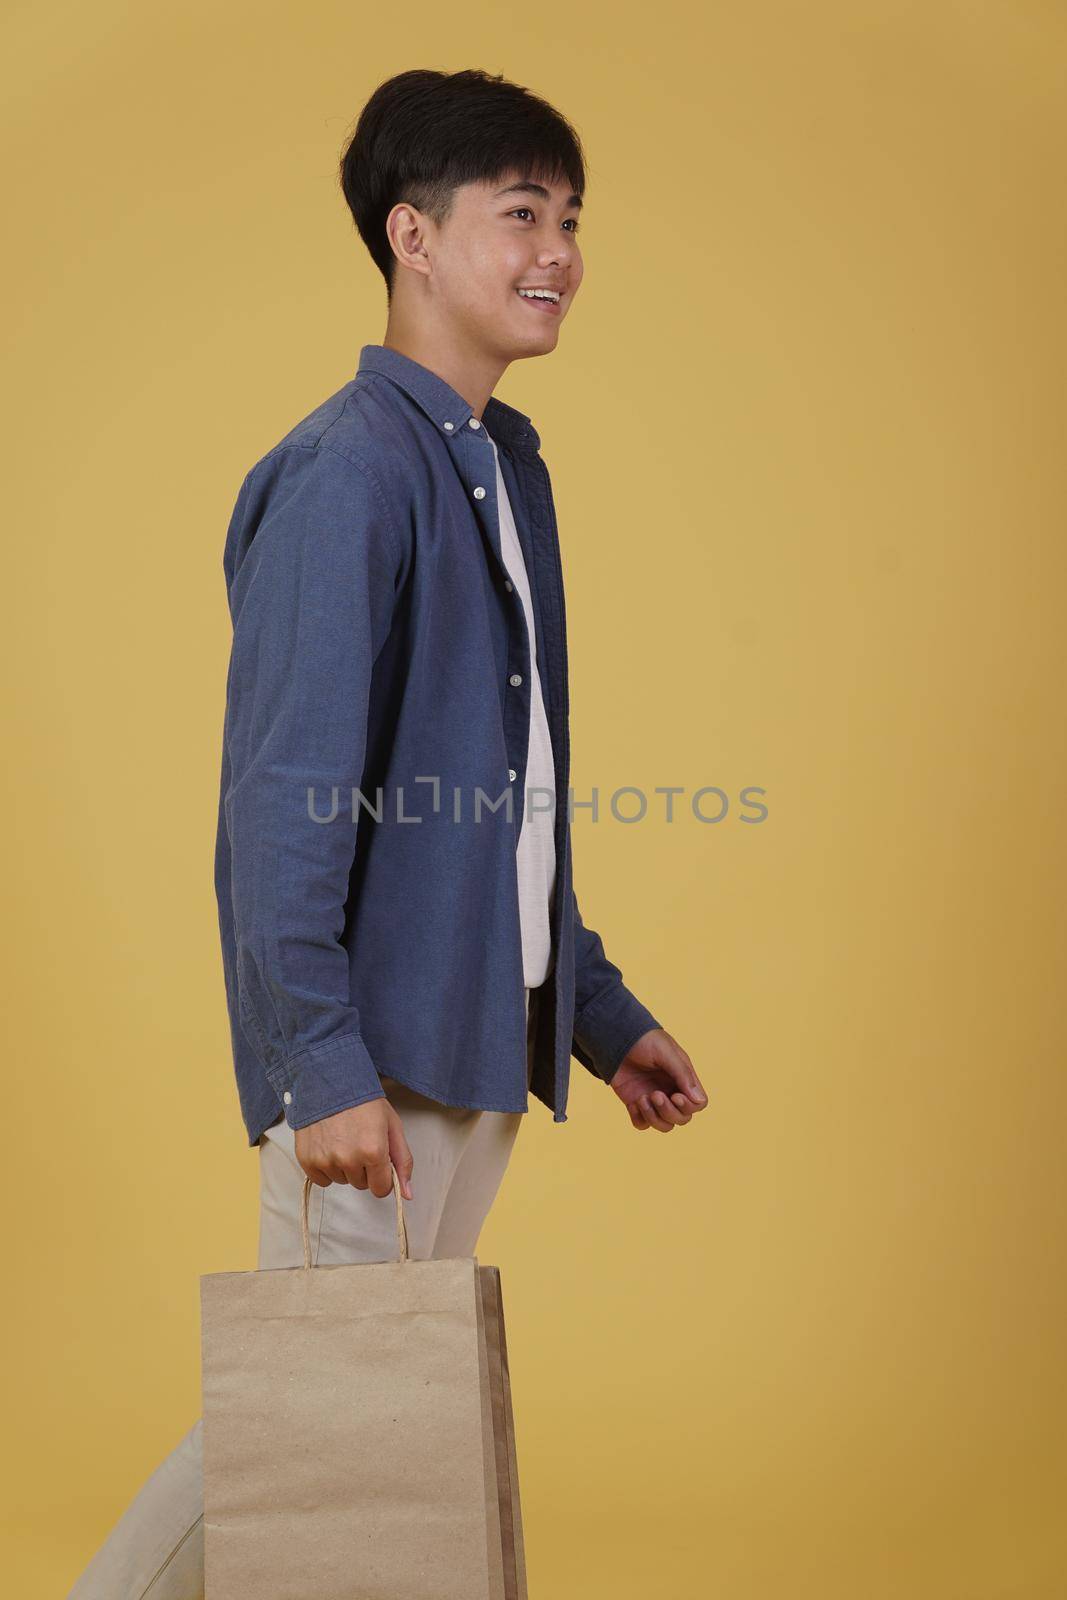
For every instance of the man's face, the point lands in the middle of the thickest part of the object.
(499, 238)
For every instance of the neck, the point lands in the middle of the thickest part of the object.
(471, 372)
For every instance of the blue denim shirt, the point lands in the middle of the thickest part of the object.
(379, 679)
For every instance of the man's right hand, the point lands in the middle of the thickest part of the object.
(359, 1146)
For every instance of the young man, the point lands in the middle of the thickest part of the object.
(403, 952)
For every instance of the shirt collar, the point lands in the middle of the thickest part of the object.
(447, 409)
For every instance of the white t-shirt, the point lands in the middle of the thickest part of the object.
(536, 854)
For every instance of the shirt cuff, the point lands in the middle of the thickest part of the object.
(326, 1078)
(608, 1028)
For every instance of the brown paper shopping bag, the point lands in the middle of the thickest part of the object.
(358, 1432)
(514, 1556)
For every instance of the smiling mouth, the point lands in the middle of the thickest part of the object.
(541, 302)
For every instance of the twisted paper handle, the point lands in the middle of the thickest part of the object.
(401, 1224)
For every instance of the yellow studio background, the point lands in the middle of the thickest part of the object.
(805, 425)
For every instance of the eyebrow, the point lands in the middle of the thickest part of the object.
(527, 186)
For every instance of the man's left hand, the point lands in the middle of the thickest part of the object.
(657, 1084)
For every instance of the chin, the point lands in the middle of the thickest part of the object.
(544, 348)
(545, 338)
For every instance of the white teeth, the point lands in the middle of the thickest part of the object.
(539, 294)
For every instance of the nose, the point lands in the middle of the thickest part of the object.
(555, 255)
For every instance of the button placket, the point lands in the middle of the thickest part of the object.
(479, 492)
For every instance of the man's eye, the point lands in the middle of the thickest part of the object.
(572, 220)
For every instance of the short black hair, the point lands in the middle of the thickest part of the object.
(422, 134)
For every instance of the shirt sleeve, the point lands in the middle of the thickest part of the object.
(312, 565)
(608, 1019)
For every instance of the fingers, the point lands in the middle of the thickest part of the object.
(360, 1175)
(662, 1113)
(371, 1170)
(355, 1146)
(689, 1085)
(324, 1173)
(656, 1110)
(652, 1116)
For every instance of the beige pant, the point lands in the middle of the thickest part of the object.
(156, 1550)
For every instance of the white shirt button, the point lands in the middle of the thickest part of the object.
(479, 493)
(512, 774)
(473, 422)
(448, 425)
(287, 1097)
(508, 585)
(515, 679)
